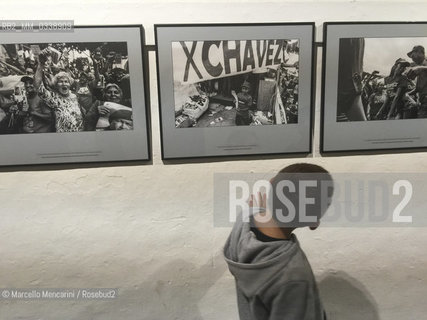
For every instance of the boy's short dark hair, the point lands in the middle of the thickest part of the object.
(301, 193)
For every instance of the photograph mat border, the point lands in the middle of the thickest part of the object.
(206, 34)
(128, 145)
(331, 130)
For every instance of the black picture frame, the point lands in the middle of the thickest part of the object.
(208, 142)
(90, 146)
(384, 132)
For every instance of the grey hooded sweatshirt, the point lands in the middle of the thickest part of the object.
(273, 279)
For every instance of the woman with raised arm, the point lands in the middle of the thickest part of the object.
(68, 115)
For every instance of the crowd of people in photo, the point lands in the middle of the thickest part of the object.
(287, 84)
(239, 100)
(402, 94)
(64, 88)
(289, 94)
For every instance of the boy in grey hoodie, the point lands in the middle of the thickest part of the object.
(274, 279)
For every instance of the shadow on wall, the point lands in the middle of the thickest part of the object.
(346, 298)
(175, 290)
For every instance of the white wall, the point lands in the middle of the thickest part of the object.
(148, 230)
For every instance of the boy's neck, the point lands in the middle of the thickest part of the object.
(271, 229)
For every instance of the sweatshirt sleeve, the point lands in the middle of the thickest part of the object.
(291, 302)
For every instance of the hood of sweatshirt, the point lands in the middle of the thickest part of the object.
(251, 261)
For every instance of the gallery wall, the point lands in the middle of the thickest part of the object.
(148, 229)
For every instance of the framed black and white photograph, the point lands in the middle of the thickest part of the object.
(235, 89)
(374, 94)
(76, 96)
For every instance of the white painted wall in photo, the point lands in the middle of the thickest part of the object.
(149, 229)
